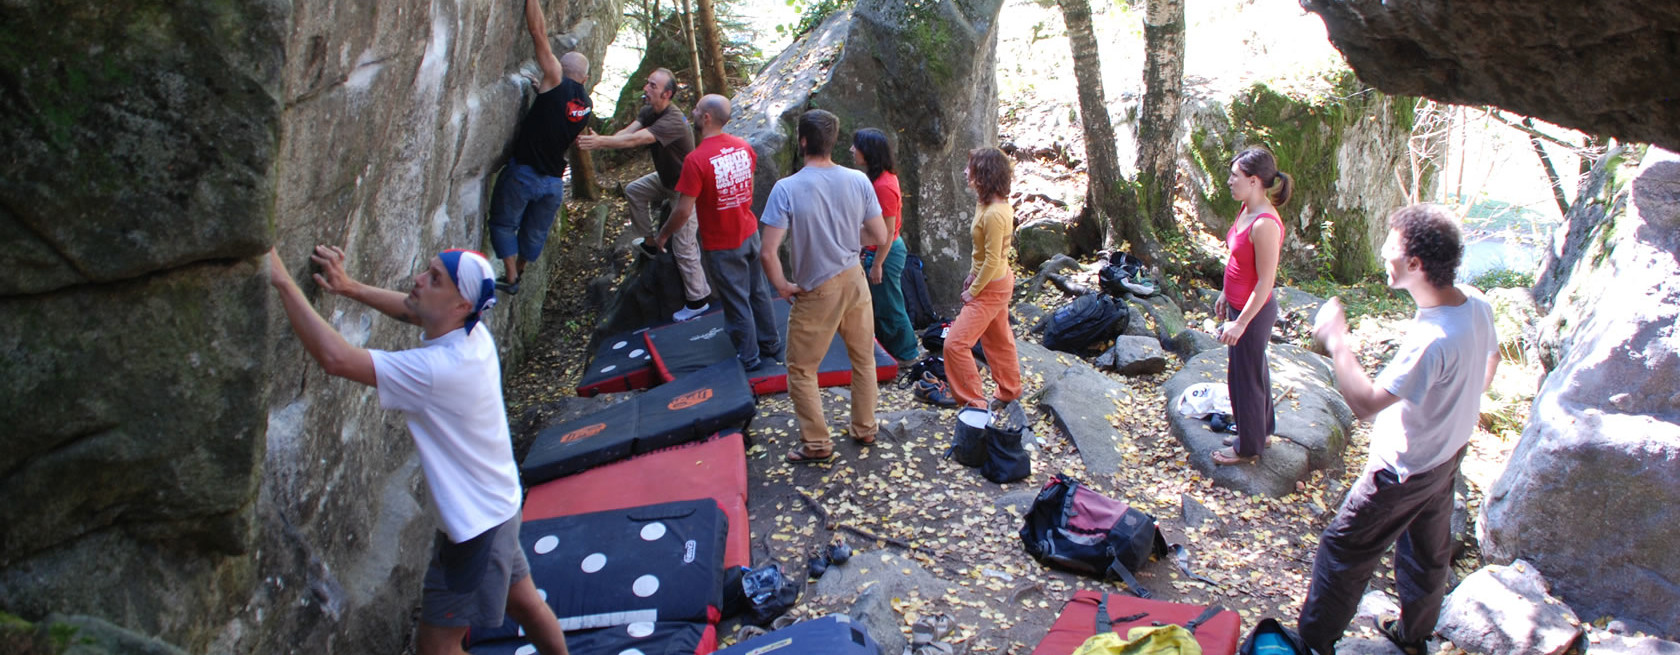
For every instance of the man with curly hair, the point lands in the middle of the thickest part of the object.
(1431, 392)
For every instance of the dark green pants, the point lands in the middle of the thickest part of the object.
(892, 324)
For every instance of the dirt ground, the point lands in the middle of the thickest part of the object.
(902, 496)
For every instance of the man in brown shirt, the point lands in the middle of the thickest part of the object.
(664, 129)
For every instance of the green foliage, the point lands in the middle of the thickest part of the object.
(1503, 278)
(812, 13)
(1370, 297)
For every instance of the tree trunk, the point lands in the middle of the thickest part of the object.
(1163, 80)
(584, 185)
(1589, 212)
(1111, 196)
(711, 61)
(693, 50)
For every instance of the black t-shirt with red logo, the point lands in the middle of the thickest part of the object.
(554, 122)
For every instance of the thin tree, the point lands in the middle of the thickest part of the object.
(693, 50)
(711, 61)
(1108, 195)
(1163, 83)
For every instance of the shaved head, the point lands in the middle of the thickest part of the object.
(715, 106)
(575, 66)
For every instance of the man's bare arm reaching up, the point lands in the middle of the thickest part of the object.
(552, 73)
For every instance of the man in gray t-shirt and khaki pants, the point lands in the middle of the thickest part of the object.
(827, 213)
(1405, 494)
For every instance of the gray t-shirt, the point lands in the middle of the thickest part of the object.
(1438, 375)
(823, 208)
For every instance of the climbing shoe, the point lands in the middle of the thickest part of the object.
(932, 390)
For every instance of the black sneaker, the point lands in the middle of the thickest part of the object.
(510, 288)
(932, 390)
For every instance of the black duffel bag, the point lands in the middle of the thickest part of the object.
(1074, 528)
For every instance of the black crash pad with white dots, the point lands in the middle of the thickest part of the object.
(621, 363)
(835, 634)
(644, 565)
(710, 401)
(663, 638)
(683, 349)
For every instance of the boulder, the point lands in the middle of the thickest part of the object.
(1081, 400)
(1515, 53)
(1505, 610)
(873, 608)
(241, 489)
(1192, 342)
(1313, 422)
(886, 572)
(1134, 356)
(1037, 241)
(1028, 318)
(1039, 365)
(1169, 319)
(899, 427)
(1296, 308)
(1615, 644)
(1136, 326)
(921, 71)
(1591, 493)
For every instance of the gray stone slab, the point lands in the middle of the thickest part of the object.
(1080, 401)
(1313, 422)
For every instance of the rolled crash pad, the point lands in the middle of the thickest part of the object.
(713, 399)
(642, 565)
(683, 349)
(715, 468)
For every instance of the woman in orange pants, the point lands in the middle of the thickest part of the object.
(986, 290)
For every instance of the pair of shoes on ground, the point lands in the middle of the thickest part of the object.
(690, 313)
(836, 553)
(933, 391)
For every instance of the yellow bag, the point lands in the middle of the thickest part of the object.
(1143, 640)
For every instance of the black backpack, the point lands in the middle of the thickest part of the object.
(1088, 320)
(917, 302)
(1270, 637)
(1074, 528)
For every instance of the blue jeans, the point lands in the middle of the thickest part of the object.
(522, 209)
(739, 282)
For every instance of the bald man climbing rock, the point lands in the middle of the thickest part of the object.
(529, 192)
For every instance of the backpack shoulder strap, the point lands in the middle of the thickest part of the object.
(1104, 624)
(1118, 570)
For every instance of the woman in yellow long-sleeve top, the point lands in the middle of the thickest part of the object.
(987, 289)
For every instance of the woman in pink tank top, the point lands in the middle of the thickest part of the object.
(1246, 304)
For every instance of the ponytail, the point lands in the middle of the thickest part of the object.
(1282, 187)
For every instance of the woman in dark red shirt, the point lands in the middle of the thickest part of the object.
(871, 153)
(1255, 240)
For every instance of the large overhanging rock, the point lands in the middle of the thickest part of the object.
(924, 75)
(1591, 495)
(1600, 67)
(173, 462)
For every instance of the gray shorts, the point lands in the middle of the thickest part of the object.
(467, 583)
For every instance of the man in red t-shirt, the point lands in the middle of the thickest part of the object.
(717, 187)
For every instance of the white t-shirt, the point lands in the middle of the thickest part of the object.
(823, 208)
(1438, 375)
(450, 389)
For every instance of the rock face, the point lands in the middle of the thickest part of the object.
(1591, 495)
(920, 71)
(1333, 143)
(1505, 610)
(1313, 422)
(1036, 242)
(1523, 55)
(245, 502)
